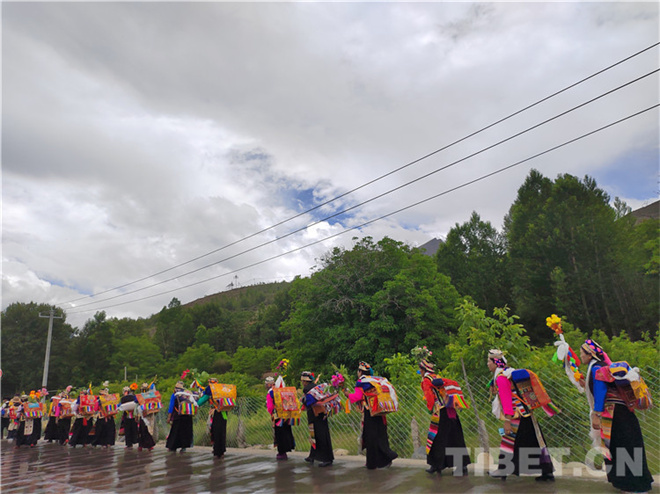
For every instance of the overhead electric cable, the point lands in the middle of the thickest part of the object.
(329, 201)
(453, 189)
(375, 197)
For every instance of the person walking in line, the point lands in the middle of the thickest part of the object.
(282, 432)
(374, 427)
(319, 428)
(522, 450)
(180, 415)
(445, 446)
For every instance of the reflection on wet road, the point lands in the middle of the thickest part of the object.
(55, 469)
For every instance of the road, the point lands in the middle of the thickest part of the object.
(59, 469)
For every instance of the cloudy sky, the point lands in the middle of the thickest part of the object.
(138, 137)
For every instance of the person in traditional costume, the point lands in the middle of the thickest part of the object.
(4, 413)
(218, 421)
(319, 429)
(616, 424)
(181, 431)
(63, 417)
(106, 430)
(82, 425)
(283, 435)
(128, 403)
(51, 432)
(146, 424)
(374, 428)
(29, 430)
(12, 412)
(445, 446)
(523, 444)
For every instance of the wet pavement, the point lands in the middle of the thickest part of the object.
(56, 469)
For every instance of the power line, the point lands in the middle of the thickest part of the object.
(379, 196)
(373, 180)
(453, 189)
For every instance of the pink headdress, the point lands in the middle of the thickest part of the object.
(596, 351)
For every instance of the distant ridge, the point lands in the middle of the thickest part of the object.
(650, 212)
(431, 246)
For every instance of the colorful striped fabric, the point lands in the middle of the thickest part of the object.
(433, 431)
(187, 408)
(33, 410)
(508, 440)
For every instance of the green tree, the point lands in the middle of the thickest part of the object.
(197, 357)
(568, 251)
(479, 333)
(23, 343)
(139, 355)
(368, 303)
(474, 256)
(93, 348)
(255, 362)
(175, 330)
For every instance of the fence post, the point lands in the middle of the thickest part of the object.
(481, 426)
(240, 432)
(414, 432)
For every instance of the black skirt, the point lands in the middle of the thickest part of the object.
(284, 439)
(450, 435)
(29, 439)
(51, 434)
(219, 433)
(526, 446)
(376, 442)
(181, 433)
(80, 431)
(323, 451)
(627, 443)
(63, 430)
(145, 439)
(105, 432)
(130, 430)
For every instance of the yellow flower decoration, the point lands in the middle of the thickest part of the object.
(554, 323)
(33, 394)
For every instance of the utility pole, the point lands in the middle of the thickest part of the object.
(51, 315)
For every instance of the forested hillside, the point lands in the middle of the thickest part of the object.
(564, 249)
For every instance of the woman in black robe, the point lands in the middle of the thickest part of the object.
(51, 433)
(146, 425)
(82, 425)
(106, 430)
(625, 441)
(63, 423)
(29, 430)
(374, 431)
(218, 422)
(321, 448)
(128, 402)
(282, 434)
(181, 431)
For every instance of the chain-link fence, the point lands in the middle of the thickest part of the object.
(249, 424)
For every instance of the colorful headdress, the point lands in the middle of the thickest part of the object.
(365, 367)
(125, 389)
(596, 351)
(497, 357)
(269, 380)
(213, 380)
(144, 387)
(307, 376)
(426, 365)
(178, 385)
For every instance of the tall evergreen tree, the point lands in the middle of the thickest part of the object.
(474, 256)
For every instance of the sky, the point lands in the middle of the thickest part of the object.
(148, 148)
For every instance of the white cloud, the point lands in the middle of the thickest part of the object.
(138, 136)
